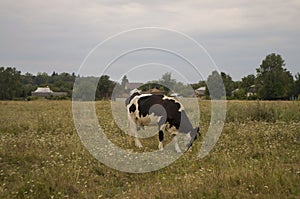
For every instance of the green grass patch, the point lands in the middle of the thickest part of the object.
(257, 155)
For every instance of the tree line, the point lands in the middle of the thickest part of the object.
(272, 81)
(15, 85)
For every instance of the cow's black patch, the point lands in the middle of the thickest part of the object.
(174, 117)
(132, 108)
(146, 102)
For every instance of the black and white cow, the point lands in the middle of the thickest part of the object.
(166, 112)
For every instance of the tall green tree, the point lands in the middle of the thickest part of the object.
(41, 79)
(201, 83)
(273, 80)
(10, 83)
(105, 87)
(124, 81)
(27, 82)
(247, 82)
(167, 81)
(228, 83)
(246, 85)
(84, 89)
(296, 87)
(215, 87)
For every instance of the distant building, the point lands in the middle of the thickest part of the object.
(131, 86)
(175, 95)
(46, 92)
(156, 91)
(235, 91)
(200, 92)
(251, 91)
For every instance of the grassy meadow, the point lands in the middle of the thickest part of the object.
(257, 155)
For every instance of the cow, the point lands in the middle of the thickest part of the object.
(166, 112)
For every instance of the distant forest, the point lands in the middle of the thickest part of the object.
(272, 81)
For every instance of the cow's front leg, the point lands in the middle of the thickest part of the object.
(137, 142)
(161, 138)
(161, 129)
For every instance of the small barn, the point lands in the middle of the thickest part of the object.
(42, 92)
(251, 91)
(46, 92)
(156, 91)
(200, 92)
(133, 85)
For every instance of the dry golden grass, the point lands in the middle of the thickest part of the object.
(257, 156)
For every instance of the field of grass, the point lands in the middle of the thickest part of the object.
(257, 155)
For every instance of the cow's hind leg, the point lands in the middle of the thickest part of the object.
(177, 148)
(133, 131)
(161, 129)
(137, 141)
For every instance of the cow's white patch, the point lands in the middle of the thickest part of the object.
(160, 146)
(170, 98)
(142, 95)
(171, 129)
(149, 120)
(138, 143)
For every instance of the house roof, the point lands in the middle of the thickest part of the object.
(156, 91)
(43, 90)
(201, 88)
(235, 90)
(132, 86)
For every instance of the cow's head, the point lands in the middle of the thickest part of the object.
(192, 136)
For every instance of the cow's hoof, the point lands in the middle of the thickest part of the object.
(160, 147)
(178, 150)
(138, 144)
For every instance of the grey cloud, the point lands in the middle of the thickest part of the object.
(57, 35)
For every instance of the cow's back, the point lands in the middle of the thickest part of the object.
(170, 108)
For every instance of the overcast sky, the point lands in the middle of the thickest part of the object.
(47, 36)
